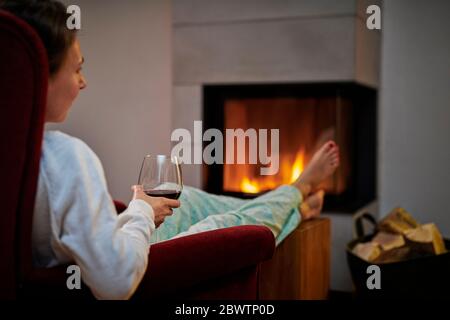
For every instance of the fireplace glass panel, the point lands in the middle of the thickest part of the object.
(304, 125)
(306, 115)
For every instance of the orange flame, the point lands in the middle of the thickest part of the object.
(249, 186)
(298, 166)
(288, 174)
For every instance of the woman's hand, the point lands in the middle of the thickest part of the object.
(162, 207)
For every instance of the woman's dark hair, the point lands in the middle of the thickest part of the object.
(48, 18)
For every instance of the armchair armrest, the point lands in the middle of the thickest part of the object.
(182, 263)
(120, 206)
(179, 264)
(213, 259)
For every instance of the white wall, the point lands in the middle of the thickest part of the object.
(415, 110)
(125, 112)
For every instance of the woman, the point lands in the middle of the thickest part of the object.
(75, 219)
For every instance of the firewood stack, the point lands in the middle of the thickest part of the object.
(399, 237)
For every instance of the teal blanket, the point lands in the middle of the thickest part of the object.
(201, 211)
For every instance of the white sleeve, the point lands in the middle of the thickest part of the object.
(111, 250)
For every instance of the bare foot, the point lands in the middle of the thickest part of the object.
(312, 206)
(322, 165)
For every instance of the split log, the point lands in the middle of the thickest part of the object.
(368, 251)
(395, 255)
(425, 239)
(388, 241)
(398, 221)
(392, 247)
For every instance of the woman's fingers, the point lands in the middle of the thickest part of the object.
(162, 207)
(137, 187)
(138, 191)
(172, 203)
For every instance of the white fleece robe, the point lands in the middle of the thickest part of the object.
(75, 221)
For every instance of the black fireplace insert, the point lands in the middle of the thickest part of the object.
(306, 115)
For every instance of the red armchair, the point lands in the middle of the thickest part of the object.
(219, 264)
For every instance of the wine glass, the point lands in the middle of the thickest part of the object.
(160, 176)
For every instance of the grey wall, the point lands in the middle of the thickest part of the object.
(414, 122)
(125, 112)
(415, 110)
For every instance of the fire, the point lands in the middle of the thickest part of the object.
(288, 174)
(249, 186)
(298, 166)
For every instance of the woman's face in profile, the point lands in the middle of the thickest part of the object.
(64, 85)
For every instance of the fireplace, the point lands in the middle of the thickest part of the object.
(307, 115)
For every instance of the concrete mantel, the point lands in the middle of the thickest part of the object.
(273, 41)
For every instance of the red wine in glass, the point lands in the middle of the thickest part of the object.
(160, 176)
(171, 194)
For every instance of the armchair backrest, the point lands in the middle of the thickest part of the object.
(23, 92)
